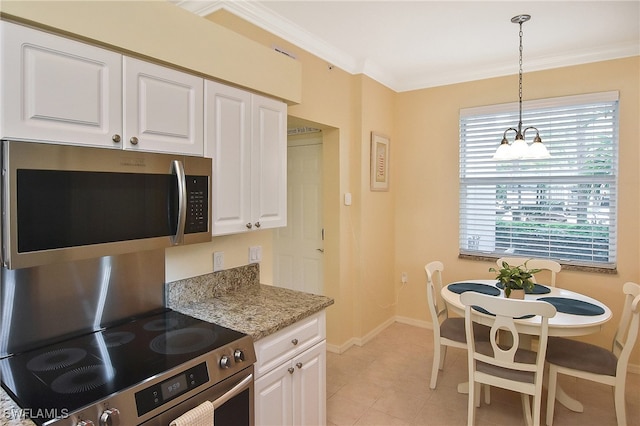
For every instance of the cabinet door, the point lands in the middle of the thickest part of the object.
(59, 90)
(269, 163)
(273, 397)
(163, 109)
(228, 142)
(309, 386)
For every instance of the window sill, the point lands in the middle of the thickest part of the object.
(565, 266)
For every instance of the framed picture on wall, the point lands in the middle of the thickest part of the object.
(379, 162)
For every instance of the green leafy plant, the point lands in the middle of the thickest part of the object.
(515, 277)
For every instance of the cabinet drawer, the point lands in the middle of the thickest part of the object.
(283, 345)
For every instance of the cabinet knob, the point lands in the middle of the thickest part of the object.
(249, 225)
(299, 365)
(116, 138)
(257, 224)
(133, 140)
(294, 341)
(290, 370)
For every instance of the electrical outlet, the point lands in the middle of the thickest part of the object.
(255, 254)
(404, 278)
(218, 261)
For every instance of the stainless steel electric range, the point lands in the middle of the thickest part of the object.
(148, 370)
(90, 342)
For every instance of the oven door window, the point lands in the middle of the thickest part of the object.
(234, 412)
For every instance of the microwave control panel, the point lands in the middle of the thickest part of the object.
(197, 204)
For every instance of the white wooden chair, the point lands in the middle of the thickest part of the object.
(591, 362)
(534, 263)
(446, 331)
(506, 366)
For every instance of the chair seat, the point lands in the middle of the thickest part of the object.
(453, 329)
(581, 356)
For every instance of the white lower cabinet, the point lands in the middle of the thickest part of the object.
(293, 390)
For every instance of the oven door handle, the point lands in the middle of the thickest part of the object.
(234, 391)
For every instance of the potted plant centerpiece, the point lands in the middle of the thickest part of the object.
(519, 278)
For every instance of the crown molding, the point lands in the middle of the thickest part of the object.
(263, 17)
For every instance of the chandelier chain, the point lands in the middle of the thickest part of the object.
(520, 80)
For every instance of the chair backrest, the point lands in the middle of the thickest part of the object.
(627, 332)
(437, 307)
(503, 312)
(534, 263)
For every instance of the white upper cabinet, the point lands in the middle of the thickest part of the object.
(269, 163)
(163, 109)
(59, 90)
(246, 138)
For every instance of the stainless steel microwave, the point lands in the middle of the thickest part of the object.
(63, 203)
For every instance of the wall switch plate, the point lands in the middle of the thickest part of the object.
(347, 199)
(255, 254)
(404, 278)
(218, 261)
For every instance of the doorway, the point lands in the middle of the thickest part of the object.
(298, 249)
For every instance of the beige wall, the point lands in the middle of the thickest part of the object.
(427, 183)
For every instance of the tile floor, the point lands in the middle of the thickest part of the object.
(386, 382)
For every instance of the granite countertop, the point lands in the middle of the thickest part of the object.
(234, 298)
(257, 310)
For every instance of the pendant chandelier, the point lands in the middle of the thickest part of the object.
(520, 149)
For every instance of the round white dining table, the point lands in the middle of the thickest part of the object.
(562, 324)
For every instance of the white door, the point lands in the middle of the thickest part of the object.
(298, 249)
(163, 109)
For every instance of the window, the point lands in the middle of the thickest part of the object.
(564, 207)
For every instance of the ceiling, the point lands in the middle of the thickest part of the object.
(408, 45)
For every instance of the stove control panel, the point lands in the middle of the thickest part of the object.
(155, 395)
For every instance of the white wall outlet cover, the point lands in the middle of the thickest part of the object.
(218, 261)
(255, 254)
(347, 199)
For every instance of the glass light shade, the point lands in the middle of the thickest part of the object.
(503, 152)
(519, 149)
(538, 150)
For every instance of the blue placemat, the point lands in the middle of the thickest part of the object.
(537, 289)
(478, 288)
(573, 306)
(484, 311)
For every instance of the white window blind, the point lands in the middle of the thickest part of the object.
(564, 207)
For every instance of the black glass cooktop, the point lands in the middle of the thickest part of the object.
(66, 376)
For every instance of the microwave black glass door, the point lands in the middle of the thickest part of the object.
(58, 209)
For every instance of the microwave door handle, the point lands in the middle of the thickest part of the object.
(234, 391)
(182, 201)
